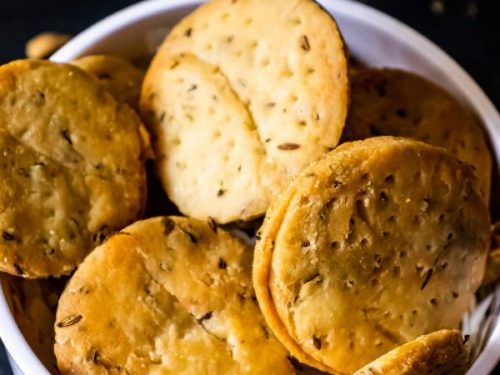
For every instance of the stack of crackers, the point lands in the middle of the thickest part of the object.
(330, 219)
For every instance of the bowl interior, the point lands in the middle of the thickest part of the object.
(371, 36)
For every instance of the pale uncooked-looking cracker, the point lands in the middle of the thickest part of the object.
(216, 166)
(122, 79)
(275, 71)
(439, 353)
(166, 295)
(71, 166)
(400, 103)
(379, 242)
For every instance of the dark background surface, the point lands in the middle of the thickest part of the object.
(468, 30)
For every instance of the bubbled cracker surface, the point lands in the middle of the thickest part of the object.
(379, 242)
(399, 103)
(166, 295)
(439, 353)
(122, 79)
(71, 166)
(284, 62)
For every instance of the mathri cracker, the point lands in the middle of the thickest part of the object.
(379, 242)
(166, 295)
(71, 165)
(400, 103)
(440, 353)
(220, 179)
(122, 79)
(281, 68)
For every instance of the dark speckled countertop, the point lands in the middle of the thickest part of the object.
(466, 29)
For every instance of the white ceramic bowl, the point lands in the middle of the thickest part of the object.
(372, 36)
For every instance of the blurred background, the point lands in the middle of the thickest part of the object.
(467, 30)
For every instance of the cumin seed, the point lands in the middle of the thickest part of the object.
(69, 321)
(191, 236)
(168, 225)
(427, 278)
(212, 224)
(316, 342)
(305, 43)
(222, 264)
(65, 134)
(8, 236)
(19, 269)
(207, 316)
(288, 146)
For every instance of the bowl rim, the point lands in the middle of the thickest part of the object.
(10, 333)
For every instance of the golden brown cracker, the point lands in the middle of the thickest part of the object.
(166, 295)
(122, 79)
(379, 242)
(72, 167)
(439, 353)
(400, 103)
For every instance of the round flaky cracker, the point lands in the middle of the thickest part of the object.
(400, 103)
(379, 242)
(281, 70)
(439, 353)
(122, 79)
(166, 295)
(229, 176)
(71, 167)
